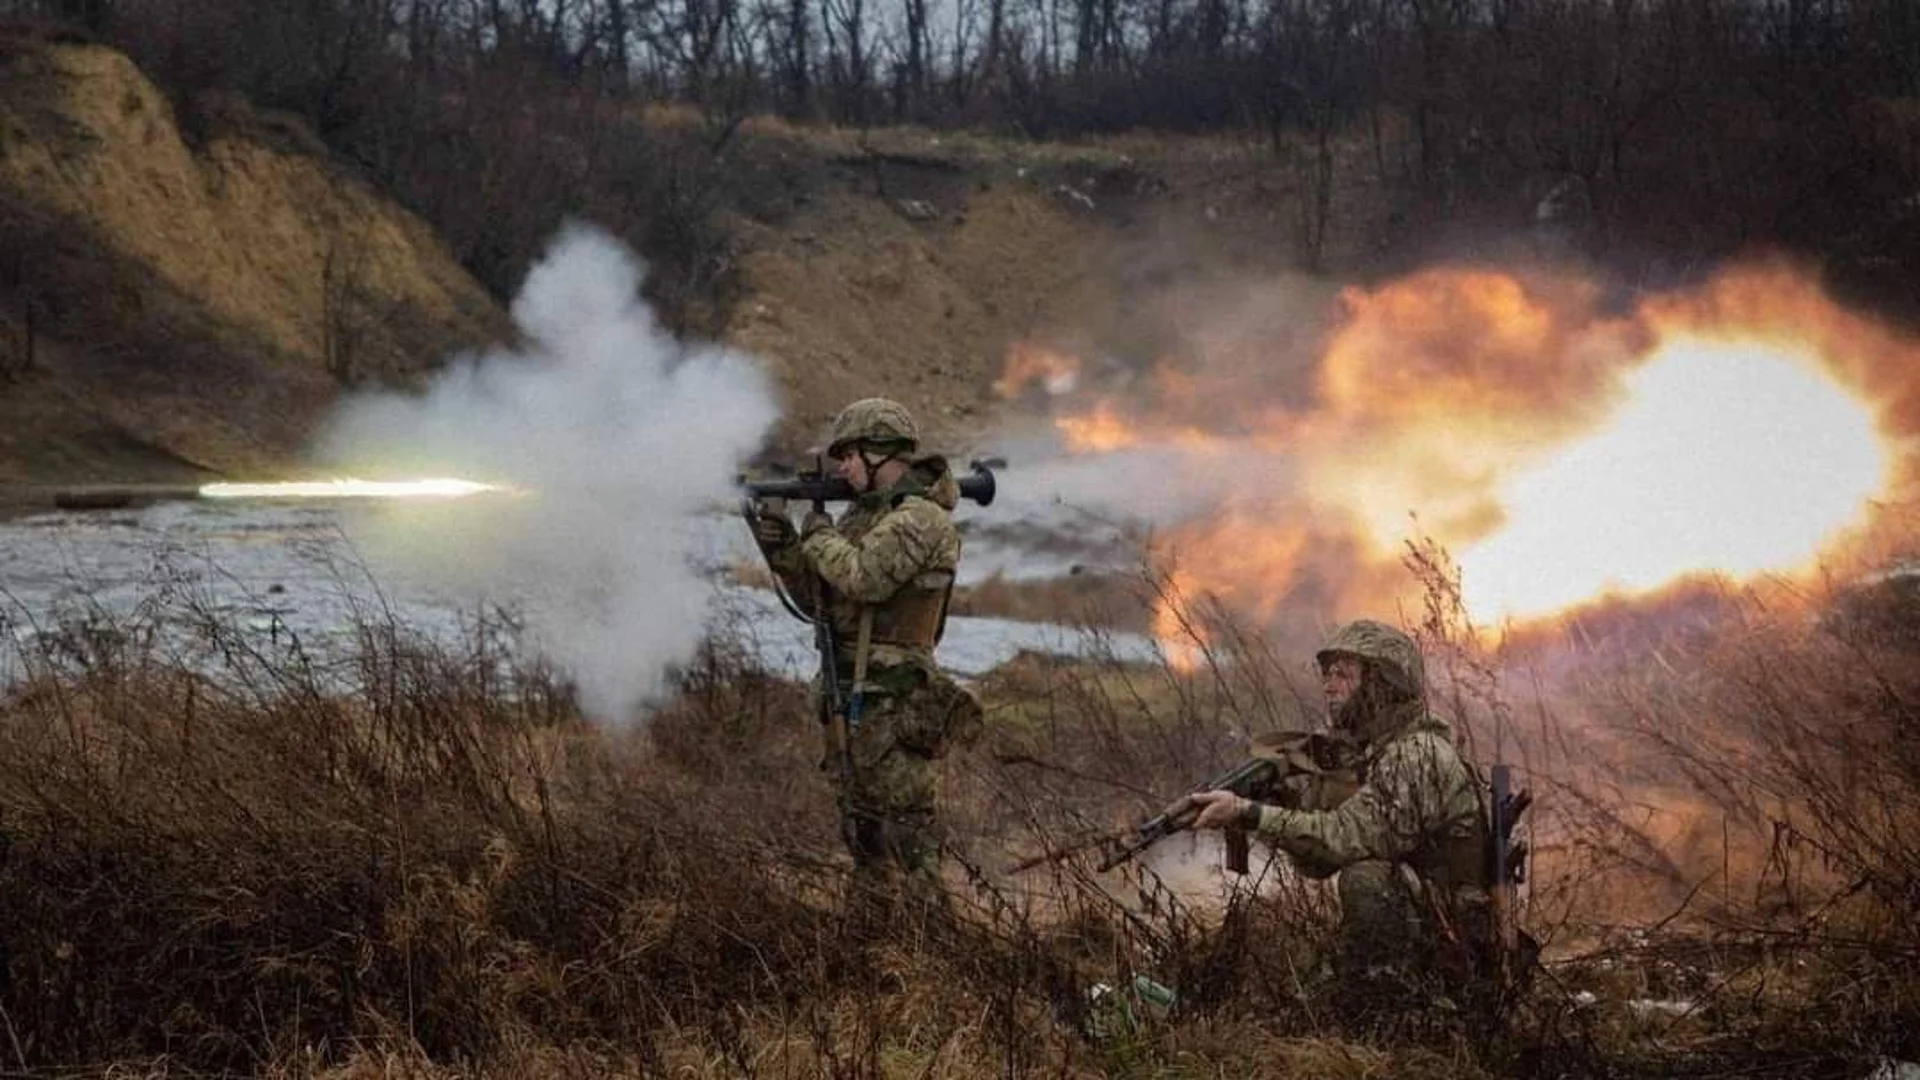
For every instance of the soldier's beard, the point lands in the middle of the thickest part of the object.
(1350, 715)
(1366, 708)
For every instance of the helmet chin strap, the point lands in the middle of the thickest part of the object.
(873, 467)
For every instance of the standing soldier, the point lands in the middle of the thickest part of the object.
(882, 575)
(1411, 846)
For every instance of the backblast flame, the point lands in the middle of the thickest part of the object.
(1562, 450)
(347, 488)
(1028, 363)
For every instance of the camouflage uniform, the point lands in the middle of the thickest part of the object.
(1410, 846)
(892, 554)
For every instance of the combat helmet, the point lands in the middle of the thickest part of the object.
(880, 421)
(1392, 654)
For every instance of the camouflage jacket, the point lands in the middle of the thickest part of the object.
(894, 551)
(1418, 804)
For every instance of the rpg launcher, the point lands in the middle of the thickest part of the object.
(817, 487)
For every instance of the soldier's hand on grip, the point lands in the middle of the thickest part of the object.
(814, 522)
(771, 529)
(1219, 809)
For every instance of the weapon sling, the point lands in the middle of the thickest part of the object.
(846, 722)
(862, 649)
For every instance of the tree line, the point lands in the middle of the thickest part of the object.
(1711, 118)
(1063, 66)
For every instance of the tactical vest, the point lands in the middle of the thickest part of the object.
(1317, 770)
(1451, 862)
(915, 617)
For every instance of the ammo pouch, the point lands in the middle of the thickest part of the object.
(928, 710)
(1317, 770)
(962, 716)
(942, 712)
(1453, 861)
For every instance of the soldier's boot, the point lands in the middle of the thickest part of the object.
(867, 904)
(895, 891)
(1501, 979)
(914, 845)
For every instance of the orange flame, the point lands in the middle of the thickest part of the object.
(1029, 363)
(1225, 563)
(1564, 452)
(1106, 428)
(1101, 430)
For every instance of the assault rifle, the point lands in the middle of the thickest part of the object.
(818, 487)
(843, 715)
(1325, 759)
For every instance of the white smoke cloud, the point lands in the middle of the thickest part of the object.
(1204, 355)
(618, 435)
(1155, 485)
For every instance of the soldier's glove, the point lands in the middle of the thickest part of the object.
(771, 528)
(814, 522)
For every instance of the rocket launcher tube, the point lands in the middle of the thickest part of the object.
(817, 487)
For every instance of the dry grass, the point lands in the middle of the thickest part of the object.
(424, 864)
(1727, 871)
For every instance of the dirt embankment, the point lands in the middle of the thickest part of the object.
(178, 299)
(858, 298)
(186, 291)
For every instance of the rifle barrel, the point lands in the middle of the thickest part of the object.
(1150, 832)
(1247, 779)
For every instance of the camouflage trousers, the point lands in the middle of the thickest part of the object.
(1401, 948)
(888, 791)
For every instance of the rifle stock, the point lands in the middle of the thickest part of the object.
(1509, 859)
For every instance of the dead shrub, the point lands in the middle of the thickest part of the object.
(241, 858)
